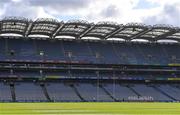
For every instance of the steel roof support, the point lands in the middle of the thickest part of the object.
(85, 32)
(139, 34)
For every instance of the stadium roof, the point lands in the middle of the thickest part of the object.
(78, 29)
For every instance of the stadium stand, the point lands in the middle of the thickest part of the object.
(50, 61)
(120, 92)
(92, 92)
(29, 92)
(62, 92)
(133, 53)
(145, 91)
(5, 93)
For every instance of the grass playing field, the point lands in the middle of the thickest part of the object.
(90, 108)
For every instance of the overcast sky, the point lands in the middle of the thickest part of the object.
(121, 11)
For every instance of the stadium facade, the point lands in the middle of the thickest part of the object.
(51, 61)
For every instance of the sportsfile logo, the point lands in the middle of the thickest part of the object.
(140, 98)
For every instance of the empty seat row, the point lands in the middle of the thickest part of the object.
(63, 92)
(89, 52)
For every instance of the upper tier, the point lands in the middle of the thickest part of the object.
(90, 52)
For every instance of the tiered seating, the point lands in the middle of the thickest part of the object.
(2, 49)
(127, 54)
(89, 52)
(5, 93)
(91, 92)
(172, 91)
(171, 52)
(21, 50)
(50, 50)
(61, 92)
(148, 91)
(29, 92)
(104, 52)
(77, 51)
(120, 92)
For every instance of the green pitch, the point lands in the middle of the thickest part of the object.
(90, 108)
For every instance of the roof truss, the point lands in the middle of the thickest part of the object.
(78, 29)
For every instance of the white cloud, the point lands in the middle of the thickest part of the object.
(17, 0)
(43, 14)
(163, 2)
(167, 14)
(121, 11)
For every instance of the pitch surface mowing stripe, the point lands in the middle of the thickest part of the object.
(90, 108)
